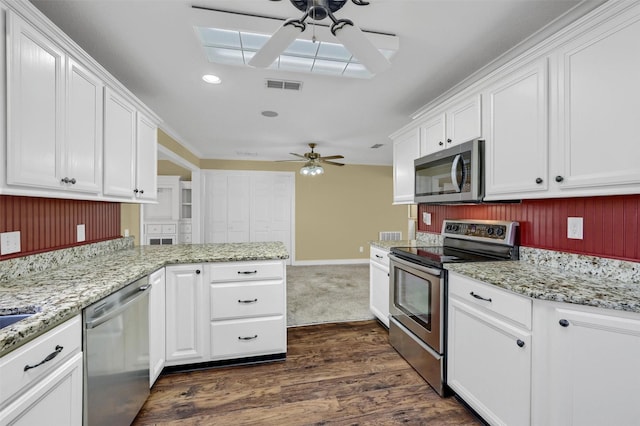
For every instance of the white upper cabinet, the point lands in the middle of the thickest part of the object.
(119, 146)
(464, 121)
(598, 103)
(72, 131)
(35, 95)
(516, 111)
(433, 135)
(406, 149)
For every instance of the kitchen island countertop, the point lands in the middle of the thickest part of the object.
(553, 284)
(58, 294)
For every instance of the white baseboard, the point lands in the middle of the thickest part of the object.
(329, 262)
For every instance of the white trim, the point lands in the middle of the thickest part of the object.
(175, 158)
(330, 262)
(176, 137)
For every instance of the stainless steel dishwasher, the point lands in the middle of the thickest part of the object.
(116, 360)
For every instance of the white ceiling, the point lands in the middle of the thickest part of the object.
(152, 48)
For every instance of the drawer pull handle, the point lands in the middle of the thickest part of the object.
(48, 358)
(520, 343)
(248, 338)
(477, 296)
(378, 256)
(247, 272)
(564, 323)
(247, 301)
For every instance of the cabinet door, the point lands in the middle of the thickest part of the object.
(55, 400)
(517, 140)
(489, 364)
(379, 291)
(464, 121)
(82, 157)
(406, 149)
(432, 135)
(186, 318)
(599, 100)
(271, 196)
(593, 368)
(35, 98)
(157, 329)
(119, 146)
(147, 159)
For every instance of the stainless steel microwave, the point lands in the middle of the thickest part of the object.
(453, 175)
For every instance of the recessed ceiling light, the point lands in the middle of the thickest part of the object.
(211, 79)
(269, 113)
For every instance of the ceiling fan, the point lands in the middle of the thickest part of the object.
(343, 29)
(312, 161)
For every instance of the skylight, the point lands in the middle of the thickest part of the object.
(230, 47)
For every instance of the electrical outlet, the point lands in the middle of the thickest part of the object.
(80, 233)
(574, 228)
(426, 218)
(9, 242)
(361, 249)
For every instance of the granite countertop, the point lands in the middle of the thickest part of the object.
(59, 294)
(548, 283)
(388, 244)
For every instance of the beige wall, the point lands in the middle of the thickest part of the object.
(130, 219)
(167, 168)
(338, 212)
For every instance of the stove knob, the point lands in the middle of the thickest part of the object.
(499, 232)
(489, 231)
(455, 228)
(448, 227)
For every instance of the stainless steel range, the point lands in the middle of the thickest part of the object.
(418, 289)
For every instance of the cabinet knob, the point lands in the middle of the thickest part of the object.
(142, 191)
(73, 181)
(135, 191)
(563, 322)
(520, 343)
(449, 141)
(538, 181)
(64, 180)
(559, 178)
(440, 143)
(197, 271)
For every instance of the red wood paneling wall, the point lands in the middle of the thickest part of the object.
(46, 224)
(611, 224)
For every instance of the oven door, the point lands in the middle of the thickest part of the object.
(415, 300)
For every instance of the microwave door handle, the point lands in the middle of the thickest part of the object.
(454, 173)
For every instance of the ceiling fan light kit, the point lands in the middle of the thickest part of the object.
(343, 29)
(312, 169)
(312, 166)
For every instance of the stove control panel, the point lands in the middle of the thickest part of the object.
(496, 231)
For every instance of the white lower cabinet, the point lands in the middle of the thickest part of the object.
(49, 392)
(588, 373)
(379, 284)
(489, 353)
(247, 309)
(186, 336)
(157, 329)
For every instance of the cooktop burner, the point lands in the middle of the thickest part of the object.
(437, 255)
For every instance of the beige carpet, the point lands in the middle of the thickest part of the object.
(327, 293)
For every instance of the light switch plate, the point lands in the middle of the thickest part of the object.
(9, 242)
(80, 237)
(426, 218)
(575, 228)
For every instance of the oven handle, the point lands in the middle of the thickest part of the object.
(431, 271)
(454, 173)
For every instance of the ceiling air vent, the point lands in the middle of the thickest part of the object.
(376, 146)
(283, 84)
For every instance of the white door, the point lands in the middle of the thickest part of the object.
(146, 158)
(35, 95)
(82, 157)
(119, 146)
(432, 135)
(215, 208)
(464, 121)
(517, 138)
(599, 100)
(157, 329)
(406, 149)
(238, 209)
(271, 197)
(186, 319)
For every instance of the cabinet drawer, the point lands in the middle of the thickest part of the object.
(242, 338)
(14, 378)
(244, 271)
(185, 227)
(154, 228)
(509, 305)
(243, 300)
(379, 256)
(169, 229)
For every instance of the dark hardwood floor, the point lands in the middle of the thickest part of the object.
(338, 374)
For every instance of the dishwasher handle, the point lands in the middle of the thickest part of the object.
(93, 323)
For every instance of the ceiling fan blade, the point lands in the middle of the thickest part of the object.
(282, 161)
(331, 157)
(333, 163)
(359, 45)
(279, 41)
(298, 155)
